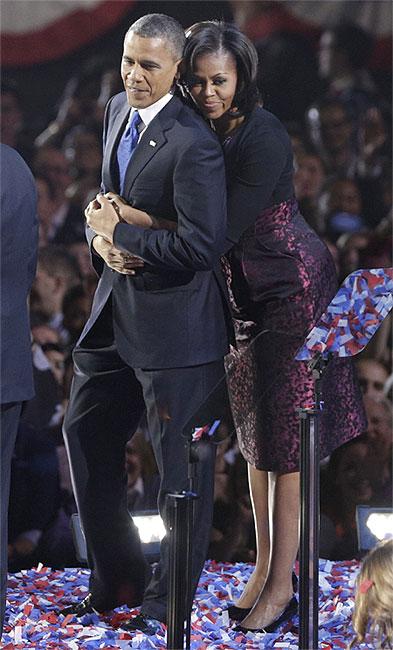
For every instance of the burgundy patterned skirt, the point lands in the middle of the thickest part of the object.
(281, 278)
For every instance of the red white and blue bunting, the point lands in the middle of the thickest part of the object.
(38, 31)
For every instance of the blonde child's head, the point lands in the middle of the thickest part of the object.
(374, 597)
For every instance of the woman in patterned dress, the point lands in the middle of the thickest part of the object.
(281, 278)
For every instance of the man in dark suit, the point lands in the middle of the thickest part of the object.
(157, 334)
(19, 241)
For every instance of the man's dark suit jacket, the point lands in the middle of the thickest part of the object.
(19, 237)
(173, 313)
(18, 257)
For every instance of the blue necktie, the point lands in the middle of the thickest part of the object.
(127, 145)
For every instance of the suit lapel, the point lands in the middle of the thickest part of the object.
(110, 171)
(153, 140)
(155, 137)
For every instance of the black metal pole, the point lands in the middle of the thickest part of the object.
(309, 529)
(177, 513)
(181, 519)
(192, 471)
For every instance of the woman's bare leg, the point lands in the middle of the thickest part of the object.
(278, 589)
(259, 492)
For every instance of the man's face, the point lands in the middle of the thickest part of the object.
(53, 164)
(309, 176)
(372, 377)
(345, 197)
(335, 128)
(379, 428)
(356, 474)
(148, 69)
(44, 288)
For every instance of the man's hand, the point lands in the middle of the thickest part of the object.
(102, 217)
(116, 260)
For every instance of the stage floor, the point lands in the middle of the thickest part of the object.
(34, 596)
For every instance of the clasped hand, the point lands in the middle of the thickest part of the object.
(102, 217)
(116, 259)
(108, 209)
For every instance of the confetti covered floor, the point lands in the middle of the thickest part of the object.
(34, 596)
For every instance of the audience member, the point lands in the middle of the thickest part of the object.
(13, 128)
(341, 208)
(44, 411)
(300, 141)
(81, 252)
(344, 52)
(46, 206)
(372, 616)
(37, 530)
(379, 436)
(372, 377)
(76, 307)
(309, 179)
(66, 223)
(351, 478)
(332, 133)
(57, 271)
(83, 101)
(83, 149)
(41, 332)
(363, 250)
(51, 162)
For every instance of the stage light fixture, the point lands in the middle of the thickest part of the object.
(150, 527)
(373, 525)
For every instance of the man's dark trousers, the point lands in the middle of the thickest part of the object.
(108, 399)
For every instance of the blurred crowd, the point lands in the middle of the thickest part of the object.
(340, 124)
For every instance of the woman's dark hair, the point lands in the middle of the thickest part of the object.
(211, 36)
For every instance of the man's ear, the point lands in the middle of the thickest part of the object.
(179, 69)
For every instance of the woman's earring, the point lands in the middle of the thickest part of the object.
(181, 89)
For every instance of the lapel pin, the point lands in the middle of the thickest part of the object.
(152, 143)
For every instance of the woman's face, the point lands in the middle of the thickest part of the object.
(309, 176)
(213, 83)
(345, 196)
(354, 474)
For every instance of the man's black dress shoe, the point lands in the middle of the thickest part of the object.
(143, 623)
(81, 608)
(238, 613)
(289, 611)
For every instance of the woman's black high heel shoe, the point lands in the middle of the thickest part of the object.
(289, 611)
(239, 613)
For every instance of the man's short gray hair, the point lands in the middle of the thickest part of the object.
(161, 26)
